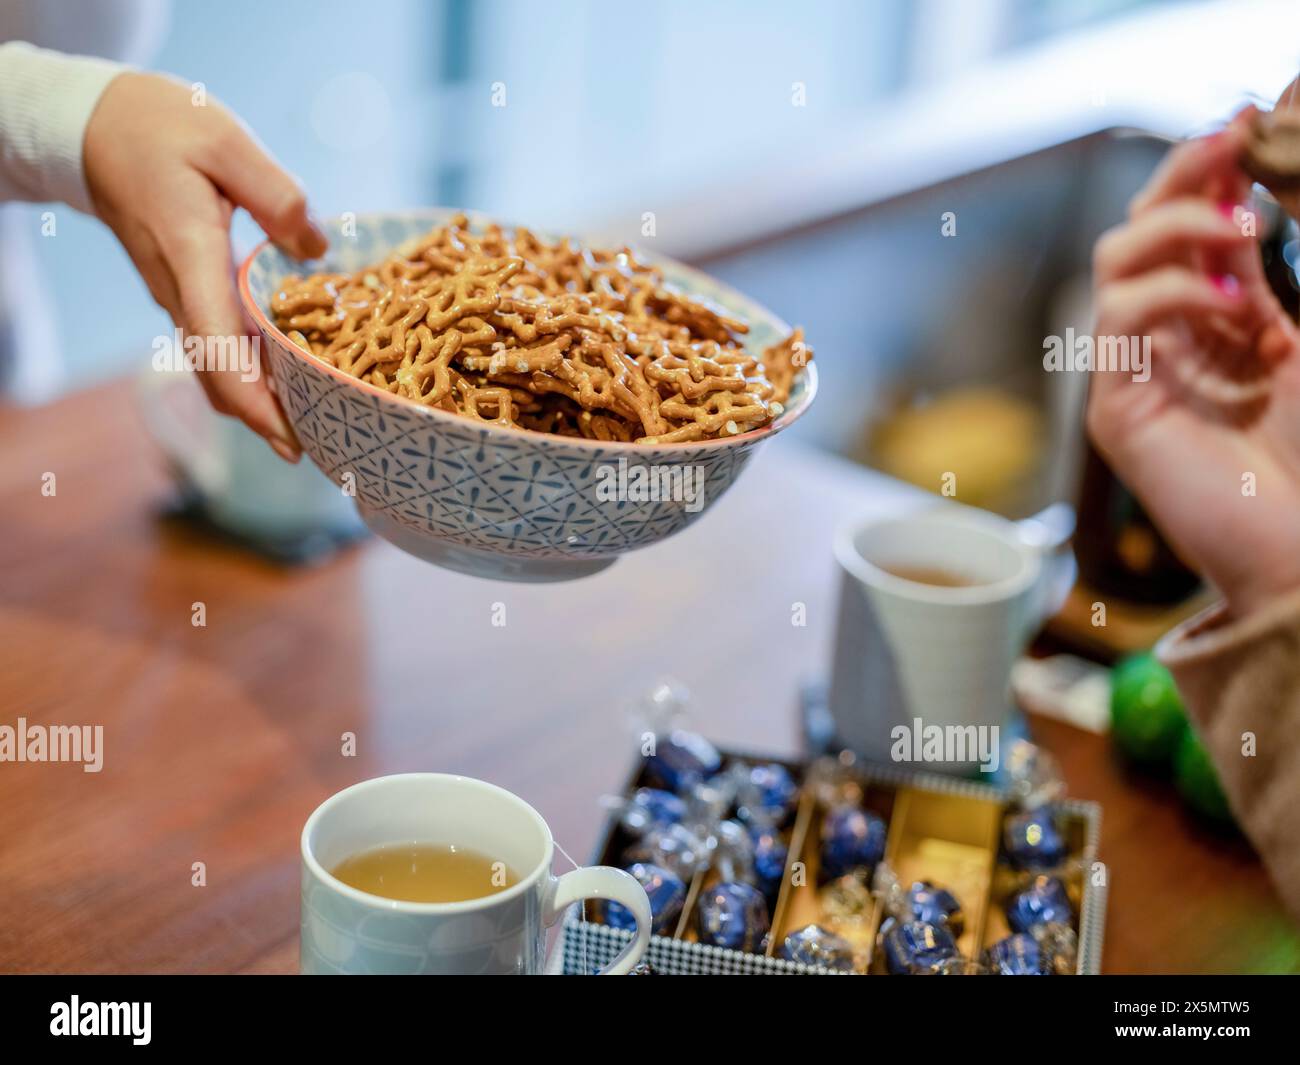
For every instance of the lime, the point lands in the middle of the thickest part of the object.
(1198, 781)
(1146, 712)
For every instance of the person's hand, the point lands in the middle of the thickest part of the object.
(1219, 418)
(166, 174)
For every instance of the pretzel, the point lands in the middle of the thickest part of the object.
(507, 328)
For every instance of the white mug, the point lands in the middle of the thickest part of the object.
(345, 930)
(910, 655)
(243, 485)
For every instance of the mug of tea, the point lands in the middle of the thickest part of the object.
(429, 873)
(935, 608)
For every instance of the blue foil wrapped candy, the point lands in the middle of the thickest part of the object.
(1045, 900)
(1017, 955)
(652, 806)
(732, 915)
(666, 893)
(913, 947)
(1032, 840)
(681, 759)
(814, 945)
(936, 905)
(770, 854)
(674, 847)
(852, 839)
(767, 794)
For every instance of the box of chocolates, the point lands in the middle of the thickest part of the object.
(761, 866)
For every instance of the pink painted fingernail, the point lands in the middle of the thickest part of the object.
(1227, 284)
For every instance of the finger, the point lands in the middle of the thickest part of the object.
(1242, 263)
(232, 375)
(253, 180)
(1189, 168)
(1277, 341)
(249, 401)
(1290, 98)
(1232, 182)
(1131, 307)
(1167, 233)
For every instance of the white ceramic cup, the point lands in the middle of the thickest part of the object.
(349, 931)
(908, 652)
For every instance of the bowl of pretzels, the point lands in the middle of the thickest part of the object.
(515, 406)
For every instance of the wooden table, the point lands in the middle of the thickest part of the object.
(220, 740)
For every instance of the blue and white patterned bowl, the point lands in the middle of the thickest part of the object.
(503, 503)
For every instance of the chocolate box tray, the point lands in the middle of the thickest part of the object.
(933, 821)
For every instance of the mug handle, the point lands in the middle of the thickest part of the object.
(1048, 533)
(606, 882)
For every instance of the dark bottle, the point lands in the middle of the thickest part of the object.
(1120, 551)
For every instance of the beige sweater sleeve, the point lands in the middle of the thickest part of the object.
(1241, 681)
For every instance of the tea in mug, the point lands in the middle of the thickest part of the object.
(932, 575)
(425, 872)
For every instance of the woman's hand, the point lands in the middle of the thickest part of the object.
(166, 174)
(1211, 442)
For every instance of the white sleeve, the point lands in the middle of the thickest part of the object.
(46, 99)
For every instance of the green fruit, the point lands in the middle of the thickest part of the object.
(1146, 713)
(1198, 781)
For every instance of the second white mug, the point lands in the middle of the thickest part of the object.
(909, 655)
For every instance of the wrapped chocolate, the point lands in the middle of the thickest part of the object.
(732, 915)
(648, 807)
(846, 902)
(674, 847)
(909, 945)
(733, 851)
(834, 780)
(708, 800)
(769, 858)
(912, 948)
(814, 945)
(681, 759)
(1059, 946)
(935, 905)
(1017, 955)
(1032, 841)
(852, 840)
(1034, 775)
(765, 794)
(666, 893)
(1044, 900)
